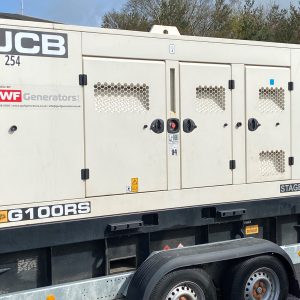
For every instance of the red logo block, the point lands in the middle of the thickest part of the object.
(11, 96)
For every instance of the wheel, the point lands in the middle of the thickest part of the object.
(258, 278)
(189, 284)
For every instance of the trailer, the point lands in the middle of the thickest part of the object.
(147, 166)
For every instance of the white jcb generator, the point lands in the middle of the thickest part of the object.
(147, 166)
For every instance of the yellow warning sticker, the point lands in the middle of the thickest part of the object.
(134, 185)
(3, 216)
(253, 229)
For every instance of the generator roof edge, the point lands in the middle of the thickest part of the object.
(84, 29)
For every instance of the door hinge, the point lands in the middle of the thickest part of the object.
(82, 79)
(291, 86)
(291, 161)
(231, 84)
(232, 164)
(85, 174)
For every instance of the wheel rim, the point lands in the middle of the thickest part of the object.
(186, 291)
(263, 284)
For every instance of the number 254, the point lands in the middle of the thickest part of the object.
(12, 60)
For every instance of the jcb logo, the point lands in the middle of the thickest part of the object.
(10, 96)
(34, 43)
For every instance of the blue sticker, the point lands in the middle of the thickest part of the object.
(272, 82)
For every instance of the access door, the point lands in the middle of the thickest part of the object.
(206, 115)
(41, 128)
(269, 130)
(125, 110)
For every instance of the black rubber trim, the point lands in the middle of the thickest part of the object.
(160, 264)
(14, 239)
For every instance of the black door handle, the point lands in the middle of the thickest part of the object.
(189, 125)
(158, 126)
(253, 124)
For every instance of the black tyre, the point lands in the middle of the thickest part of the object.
(189, 284)
(258, 278)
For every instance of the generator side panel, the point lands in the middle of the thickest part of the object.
(41, 118)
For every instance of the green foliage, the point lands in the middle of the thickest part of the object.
(125, 20)
(249, 23)
(240, 19)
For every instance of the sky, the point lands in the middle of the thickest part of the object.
(78, 12)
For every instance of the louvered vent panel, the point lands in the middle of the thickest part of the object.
(272, 163)
(271, 100)
(210, 99)
(118, 98)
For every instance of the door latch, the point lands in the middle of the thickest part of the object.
(189, 125)
(253, 124)
(158, 126)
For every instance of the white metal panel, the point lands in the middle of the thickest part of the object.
(268, 101)
(206, 99)
(42, 160)
(149, 202)
(182, 49)
(122, 99)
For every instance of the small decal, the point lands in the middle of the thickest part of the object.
(174, 151)
(26, 265)
(174, 139)
(252, 229)
(272, 82)
(290, 188)
(10, 96)
(22, 99)
(172, 49)
(134, 185)
(3, 216)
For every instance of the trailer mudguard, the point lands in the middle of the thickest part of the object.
(161, 263)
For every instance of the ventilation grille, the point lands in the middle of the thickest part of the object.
(271, 99)
(272, 163)
(110, 97)
(210, 99)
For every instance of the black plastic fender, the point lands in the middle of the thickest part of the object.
(161, 263)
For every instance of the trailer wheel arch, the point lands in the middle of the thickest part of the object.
(162, 263)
